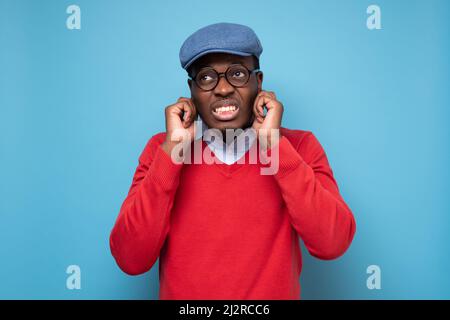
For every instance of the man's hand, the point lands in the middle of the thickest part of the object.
(180, 121)
(264, 124)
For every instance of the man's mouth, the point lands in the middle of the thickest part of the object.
(225, 112)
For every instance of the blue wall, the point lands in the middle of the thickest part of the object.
(77, 107)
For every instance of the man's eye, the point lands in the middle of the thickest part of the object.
(205, 78)
(238, 74)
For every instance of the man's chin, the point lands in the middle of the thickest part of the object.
(230, 125)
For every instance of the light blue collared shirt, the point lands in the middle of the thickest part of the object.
(232, 153)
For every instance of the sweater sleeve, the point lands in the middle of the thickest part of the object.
(316, 209)
(143, 221)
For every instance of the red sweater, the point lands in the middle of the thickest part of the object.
(226, 231)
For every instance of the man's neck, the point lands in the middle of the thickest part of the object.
(224, 133)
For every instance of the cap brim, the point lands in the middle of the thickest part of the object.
(201, 54)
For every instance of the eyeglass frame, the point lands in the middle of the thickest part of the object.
(224, 74)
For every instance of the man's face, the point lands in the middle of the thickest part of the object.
(224, 94)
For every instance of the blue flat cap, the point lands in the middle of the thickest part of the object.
(220, 37)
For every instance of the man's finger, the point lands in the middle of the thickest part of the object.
(265, 101)
(189, 113)
(258, 110)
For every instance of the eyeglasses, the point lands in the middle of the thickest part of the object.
(237, 75)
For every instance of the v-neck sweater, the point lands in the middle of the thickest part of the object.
(227, 231)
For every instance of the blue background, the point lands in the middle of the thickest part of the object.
(78, 106)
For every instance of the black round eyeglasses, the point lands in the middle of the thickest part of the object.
(237, 75)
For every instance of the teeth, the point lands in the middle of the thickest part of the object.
(225, 109)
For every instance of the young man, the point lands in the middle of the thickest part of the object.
(222, 229)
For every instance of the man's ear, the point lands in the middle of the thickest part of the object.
(259, 79)
(189, 83)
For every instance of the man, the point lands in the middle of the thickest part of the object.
(221, 229)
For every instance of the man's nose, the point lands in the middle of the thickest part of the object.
(223, 88)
